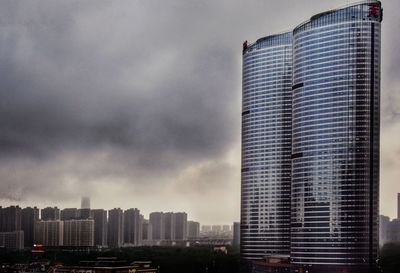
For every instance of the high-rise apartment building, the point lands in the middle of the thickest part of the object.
(10, 219)
(49, 233)
(100, 227)
(169, 226)
(314, 95)
(78, 232)
(156, 220)
(266, 147)
(147, 231)
(180, 225)
(133, 227)
(50, 213)
(69, 214)
(84, 214)
(11, 233)
(115, 228)
(193, 229)
(28, 218)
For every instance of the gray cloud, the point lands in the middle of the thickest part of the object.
(74, 86)
(137, 100)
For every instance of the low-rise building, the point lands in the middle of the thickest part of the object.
(108, 265)
(193, 229)
(389, 230)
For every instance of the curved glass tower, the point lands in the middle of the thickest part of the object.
(266, 147)
(335, 157)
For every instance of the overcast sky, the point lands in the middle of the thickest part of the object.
(137, 103)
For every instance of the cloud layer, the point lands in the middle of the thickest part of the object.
(137, 103)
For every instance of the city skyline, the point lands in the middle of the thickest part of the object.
(115, 228)
(170, 131)
(72, 213)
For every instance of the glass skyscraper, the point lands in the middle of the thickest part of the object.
(266, 146)
(332, 115)
(335, 168)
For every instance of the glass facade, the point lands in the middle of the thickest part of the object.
(266, 147)
(310, 142)
(335, 137)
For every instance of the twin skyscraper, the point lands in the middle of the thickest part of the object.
(310, 142)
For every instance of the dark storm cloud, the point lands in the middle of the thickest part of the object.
(82, 84)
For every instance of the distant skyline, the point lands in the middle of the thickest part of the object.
(137, 103)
